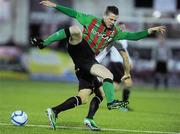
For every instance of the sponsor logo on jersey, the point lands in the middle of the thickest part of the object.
(103, 36)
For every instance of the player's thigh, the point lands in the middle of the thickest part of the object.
(84, 94)
(76, 35)
(101, 71)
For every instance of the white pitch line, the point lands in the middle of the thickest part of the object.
(103, 129)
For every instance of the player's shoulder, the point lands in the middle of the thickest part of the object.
(117, 27)
(91, 16)
(97, 18)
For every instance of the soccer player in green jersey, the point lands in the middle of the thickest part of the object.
(83, 46)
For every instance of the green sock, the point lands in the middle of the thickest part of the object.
(59, 35)
(109, 91)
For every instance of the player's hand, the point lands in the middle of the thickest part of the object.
(127, 81)
(48, 3)
(161, 29)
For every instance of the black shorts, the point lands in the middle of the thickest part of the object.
(117, 70)
(82, 55)
(161, 67)
(87, 81)
(83, 58)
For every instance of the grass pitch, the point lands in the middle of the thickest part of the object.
(156, 112)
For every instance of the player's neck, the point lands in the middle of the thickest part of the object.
(104, 23)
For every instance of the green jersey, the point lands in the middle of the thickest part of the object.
(95, 32)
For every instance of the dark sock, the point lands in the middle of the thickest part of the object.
(166, 82)
(156, 82)
(94, 105)
(68, 104)
(126, 93)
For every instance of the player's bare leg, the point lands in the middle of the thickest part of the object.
(73, 33)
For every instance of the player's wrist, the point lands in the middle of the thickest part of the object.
(126, 74)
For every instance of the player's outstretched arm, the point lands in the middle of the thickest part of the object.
(126, 79)
(81, 17)
(139, 35)
(68, 11)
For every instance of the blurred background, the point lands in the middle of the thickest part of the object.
(22, 19)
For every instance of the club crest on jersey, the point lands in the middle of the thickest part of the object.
(103, 36)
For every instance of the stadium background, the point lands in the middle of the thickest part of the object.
(20, 62)
(21, 19)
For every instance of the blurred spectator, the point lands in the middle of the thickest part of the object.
(162, 55)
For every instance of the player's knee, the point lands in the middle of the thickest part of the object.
(109, 75)
(84, 99)
(76, 35)
(75, 32)
(100, 98)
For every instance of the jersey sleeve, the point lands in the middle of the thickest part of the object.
(68, 11)
(130, 35)
(82, 18)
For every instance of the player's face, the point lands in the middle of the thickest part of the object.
(110, 19)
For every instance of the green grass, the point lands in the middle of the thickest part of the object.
(153, 110)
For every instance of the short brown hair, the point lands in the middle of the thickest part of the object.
(112, 9)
